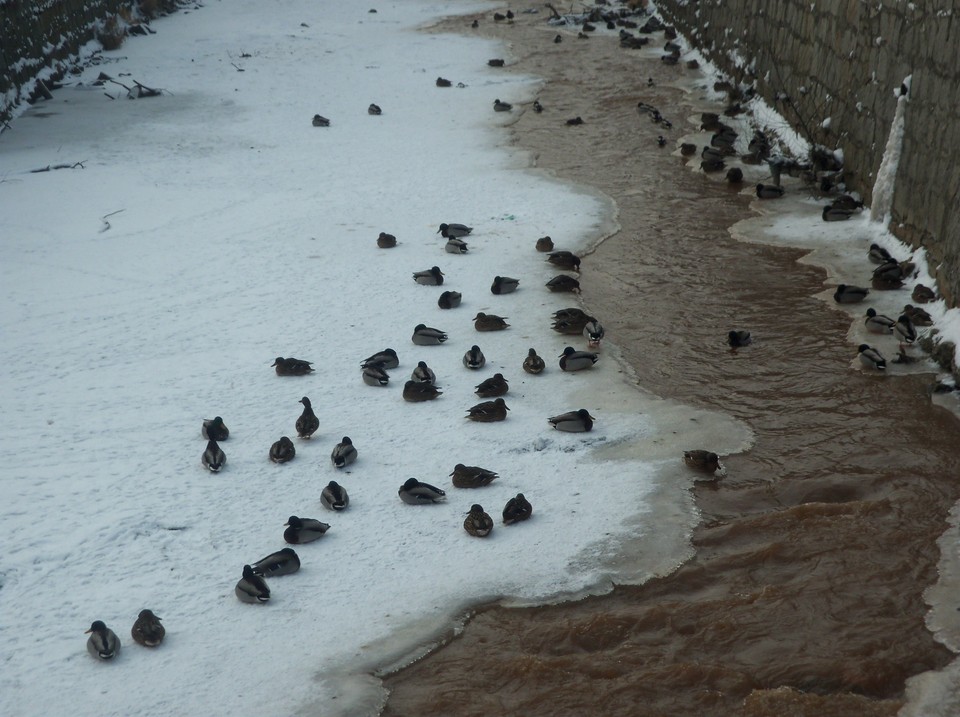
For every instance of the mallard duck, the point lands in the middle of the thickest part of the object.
(688, 149)
(427, 336)
(533, 363)
(574, 121)
(735, 175)
(344, 453)
(308, 423)
(563, 282)
(769, 191)
(871, 358)
(593, 331)
(251, 588)
(893, 272)
(103, 642)
(878, 255)
(147, 630)
(571, 321)
(214, 430)
(413, 492)
(494, 386)
(419, 391)
(545, 244)
(905, 330)
(573, 360)
(386, 241)
(923, 294)
(477, 522)
(282, 450)
(710, 166)
(213, 458)
(488, 411)
(565, 259)
(383, 359)
(454, 230)
(429, 277)
(579, 421)
(833, 213)
(334, 496)
(375, 376)
(304, 530)
(489, 322)
(374, 109)
(918, 316)
(499, 106)
(878, 323)
(320, 121)
(449, 300)
(504, 285)
(738, 337)
(474, 358)
(517, 508)
(537, 107)
(292, 366)
(423, 374)
(846, 201)
(455, 245)
(846, 294)
(703, 461)
(714, 154)
(443, 82)
(471, 476)
(282, 562)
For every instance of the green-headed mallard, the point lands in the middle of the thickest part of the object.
(334, 496)
(214, 430)
(251, 588)
(304, 530)
(573, 360)
(414, 492)
(427, 336)
(103, 642)
(429, 277)
(344, 453)
(213, 458)
(504, 285)
(282, 562)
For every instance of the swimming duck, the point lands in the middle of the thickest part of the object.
(429, 277)
(871, 358)
(373, 375)
(710, 166)
(454, 230)
(579, 421)
(282, 450)
(308, 423)
(565, 259)
(474, 358)
(738, 337)
(769, 191)
(213, 458)
(923, 294)
(537, 107)
(878, 323)
(386, 241)
(282, 562)
(320, 121)
(419, 391)
(545, 244)
(488, 411)
(533, 363)
(594, 333)
(494, 386)
(918, 316)
(563, 282)
(735, 175)
(443, 82)
(427, 336)
(573, 360)
(374, 110)
(714, 154)
(214, 430)
(292, 366)
(383, 359)
(471, 476)
(846, 294)
(147, 630)
(878, 255)
(703, 461)
(304, 530)
(477, 522)
(103, 643)
(455, 246)
(905, 330)
(688, 149)
(449, 300)
(574, 121)
(504, 285)
(413, 492)
(517, 508)
(251, 588)
(334, 496)
(344, 453)
(423, 374)
(499, 106)
(489, 322)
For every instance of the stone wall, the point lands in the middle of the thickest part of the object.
(845, 60)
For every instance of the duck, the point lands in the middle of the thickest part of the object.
(455, 246)
(419, 391)
(918, 316)
(564, 259)
(494, 386)
(251, 588)
(923, 294)
(474, 358)
(893, 273)
(846, 201)
(423, 374)
(878, 255)
(846, 294)
(147, 630)
(544, 244)
(282, 450)
(283, 562)
(832, 213)
(304, 530)
(427, 336)
(471, 476)
(384, 359)
(905, 330)
(533, 363)
(334, 496)
(488, 411)
(429, 277)
(878, 323)
(478, 523)
(344, 453)
(414, 492)
(579, 421)
(769, 191)
(449, 300)
(374, 109)
(517, 509)
(214, 430)
(537, 107)
(375, 376)
(213, 458)
(308, 423)
(688, 149)
(103, 642)
(320, 121)
(703, 461)
(714, 154)
(292, 366)
(454, 230)
(571, 321)
(504, 285)
(496, 62)
(574, 121)
(563, 282)
(489, 322)
(386, 241)
(871, 358)
(593, 331)
(443, 82)
(573, 360)
(738, 337)
(499, 106)
(710, 166)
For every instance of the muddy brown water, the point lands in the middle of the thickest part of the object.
(804, 596)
